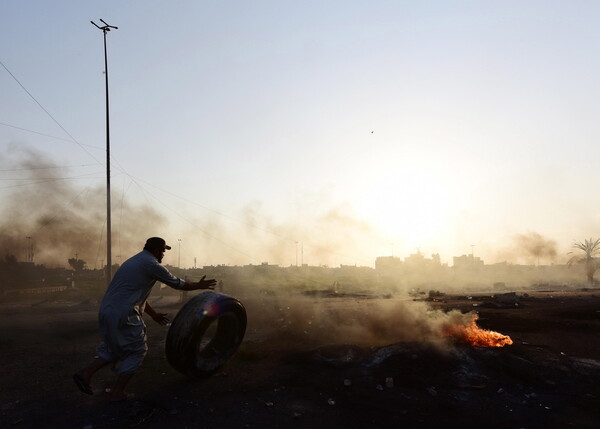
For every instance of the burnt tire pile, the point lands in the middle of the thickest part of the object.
(205, 333)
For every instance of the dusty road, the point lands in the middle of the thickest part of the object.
(298, 368)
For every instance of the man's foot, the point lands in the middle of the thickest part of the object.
(83, 383)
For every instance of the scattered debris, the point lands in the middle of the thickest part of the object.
(503, 300)
(435, 294)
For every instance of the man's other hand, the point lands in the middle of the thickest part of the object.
(161, 318)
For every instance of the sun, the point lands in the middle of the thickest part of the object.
(410, 206)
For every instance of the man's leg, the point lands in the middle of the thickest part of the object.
(127, 368)
(118, 391)
(83, 377)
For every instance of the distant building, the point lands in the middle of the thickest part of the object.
(387, 264)
(467, 262)
(418, 261)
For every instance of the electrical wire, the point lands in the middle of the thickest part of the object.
(48, 135)
(135, 181)
(293, 275)
(275, 234)
(48, 178)
(121, 215)
(20, 185)
(48, 113)
(46, 168)
(100, 243)
(202, 230)
(216, 212)
(57, 213)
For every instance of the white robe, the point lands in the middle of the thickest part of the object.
(122, 327)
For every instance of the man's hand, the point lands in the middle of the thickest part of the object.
(206, 284)
(200, 284)
(161, 318)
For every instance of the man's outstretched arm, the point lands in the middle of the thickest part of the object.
(200, 284)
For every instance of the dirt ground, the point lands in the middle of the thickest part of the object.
(282, 377)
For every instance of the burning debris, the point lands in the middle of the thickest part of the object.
(473, 335)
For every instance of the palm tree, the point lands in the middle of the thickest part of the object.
(590, 249)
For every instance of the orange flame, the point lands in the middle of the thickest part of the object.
(474, 335)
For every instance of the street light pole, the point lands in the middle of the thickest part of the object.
(105, 29)
(29, 249)
(179, 254)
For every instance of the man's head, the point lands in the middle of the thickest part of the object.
(157, 247)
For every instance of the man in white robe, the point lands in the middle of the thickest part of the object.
(122, 327)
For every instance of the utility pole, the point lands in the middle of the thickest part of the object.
(179, 254)
(29, 255)
(105, 29)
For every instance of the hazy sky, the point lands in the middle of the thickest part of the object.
(358, 128)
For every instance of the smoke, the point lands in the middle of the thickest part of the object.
(64, 220)
(326, 235)
(535, 247)
(296, 322)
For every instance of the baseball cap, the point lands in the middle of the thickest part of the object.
(156, 242)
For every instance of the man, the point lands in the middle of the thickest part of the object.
(120, 317)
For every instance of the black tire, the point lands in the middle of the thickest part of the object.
(206, 332)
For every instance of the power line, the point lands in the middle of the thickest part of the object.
(121, 213)
(203, 231)
(125, 172)
(48, 113)
(255, 227)
(100, 245)
(219, 213)
(49, 181)
(47, 135)
(46, 168)
(47, 178)
(49, 221)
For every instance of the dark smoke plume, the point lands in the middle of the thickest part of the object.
(65, 218)
(535, 246)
